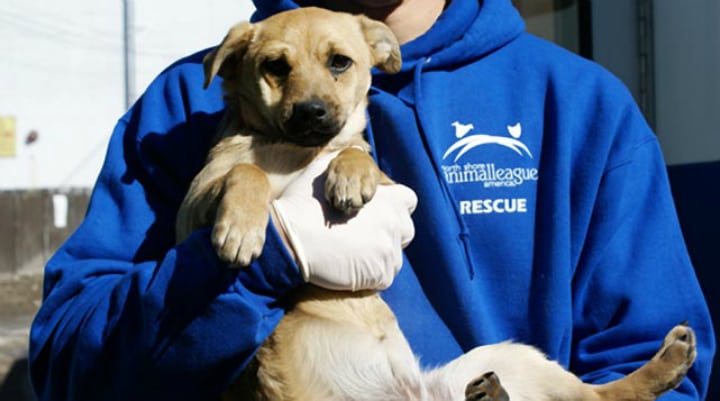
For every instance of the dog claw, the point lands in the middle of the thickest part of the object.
(346, 206)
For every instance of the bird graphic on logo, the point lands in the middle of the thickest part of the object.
(466, 142)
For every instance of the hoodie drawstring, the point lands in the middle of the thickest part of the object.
(464, 232)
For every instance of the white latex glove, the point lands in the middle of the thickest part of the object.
(340, 252)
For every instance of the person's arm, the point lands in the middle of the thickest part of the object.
(126, 313)
(635, 280)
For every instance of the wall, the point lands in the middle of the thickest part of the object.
(687, 78)
(34, 226)
(686, 106)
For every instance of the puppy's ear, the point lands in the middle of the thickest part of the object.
(221, 60)
(384, 47)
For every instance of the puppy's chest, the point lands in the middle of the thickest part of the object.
(280, 164)
(278, 182)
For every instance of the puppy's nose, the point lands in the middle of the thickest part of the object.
(310, 112)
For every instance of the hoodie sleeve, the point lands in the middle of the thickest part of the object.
(129, 315)
(635, 278)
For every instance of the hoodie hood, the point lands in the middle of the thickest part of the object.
(465, 31)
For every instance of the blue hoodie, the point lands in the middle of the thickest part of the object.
(544, 216)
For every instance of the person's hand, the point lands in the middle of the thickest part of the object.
(340, 252)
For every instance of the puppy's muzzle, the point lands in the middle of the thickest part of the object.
(312, 123)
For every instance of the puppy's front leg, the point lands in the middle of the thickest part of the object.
(352, 180)
(242, 214)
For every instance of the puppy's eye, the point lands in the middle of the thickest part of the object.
(278, 67)
(339, 63)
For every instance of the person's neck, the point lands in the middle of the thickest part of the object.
(405, 19)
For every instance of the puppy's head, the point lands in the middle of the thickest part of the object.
(303, 75)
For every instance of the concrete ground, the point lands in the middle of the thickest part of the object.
(19, 299)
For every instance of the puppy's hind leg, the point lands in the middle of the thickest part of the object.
(662, 373)
(510, 371)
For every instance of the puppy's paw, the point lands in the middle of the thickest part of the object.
(676, 355)
(679, 346)
(239, 237)
(352, 180)
(669, 366)
(486, 388)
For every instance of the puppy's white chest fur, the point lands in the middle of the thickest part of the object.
(281, 162)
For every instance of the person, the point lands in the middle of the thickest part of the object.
(543, 216)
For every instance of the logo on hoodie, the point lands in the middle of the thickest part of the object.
(462, 170)
(466, 143)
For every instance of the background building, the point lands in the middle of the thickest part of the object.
(62, 75)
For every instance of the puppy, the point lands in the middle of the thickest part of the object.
(296, 86)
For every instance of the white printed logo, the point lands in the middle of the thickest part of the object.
(466, 143)
(497, 206)
(488, 174)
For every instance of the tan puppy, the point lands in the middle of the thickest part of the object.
(293, 91)
(296, 86)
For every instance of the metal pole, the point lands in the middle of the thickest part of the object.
(129, 52)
